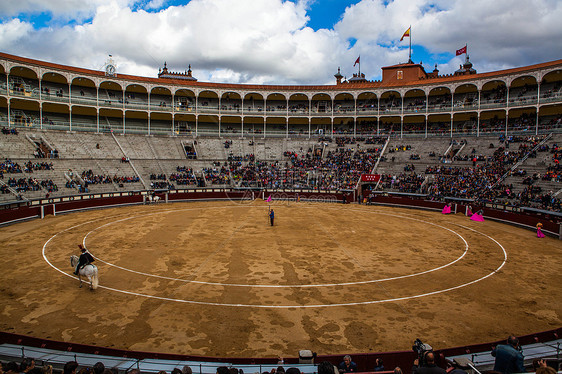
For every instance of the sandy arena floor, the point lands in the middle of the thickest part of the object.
(215, 279)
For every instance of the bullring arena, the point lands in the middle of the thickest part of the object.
(215, 279)
(360, 259)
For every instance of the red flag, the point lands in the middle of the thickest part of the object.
(357, 61)
(461, 51)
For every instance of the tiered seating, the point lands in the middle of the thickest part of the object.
(136, 147)
(211, 149)
(68, 144)
(16, 146)
(166, 148)
(280, 163)
(100, 145)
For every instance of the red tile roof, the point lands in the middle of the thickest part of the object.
(342, 87)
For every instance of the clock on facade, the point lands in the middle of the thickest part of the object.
(110, 70)
(110, 67)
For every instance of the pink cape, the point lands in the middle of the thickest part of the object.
(539, 233)
(477, 217)
(446, 210)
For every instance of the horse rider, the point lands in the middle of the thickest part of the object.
(85, 259)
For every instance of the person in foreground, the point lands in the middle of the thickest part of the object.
(509, 358)
(347, 366)
(429, 367)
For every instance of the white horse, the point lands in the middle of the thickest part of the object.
(89, 271)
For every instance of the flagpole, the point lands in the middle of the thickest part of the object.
(359, 66)
(410, 51)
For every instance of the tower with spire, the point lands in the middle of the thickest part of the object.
(165, 73)
(338, 76)
(466, 68)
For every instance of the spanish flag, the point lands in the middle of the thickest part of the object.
(406, 34)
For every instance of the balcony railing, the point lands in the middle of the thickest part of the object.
(25, 93)
(550, 98)
(523, 101)
(30, 92)
(464, 107)
(317, 113)
(60, 98)
(492, 104)
(111, 103)
(439, 108)
(417, 109)
(208, 109)
(136, 105)
(87, 100)
(394, 110)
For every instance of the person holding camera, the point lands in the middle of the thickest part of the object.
(429, 367)
(509, 358)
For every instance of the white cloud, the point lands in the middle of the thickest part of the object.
(500, 33)
(64, 9)
(13, 31)
(268, 41)
(257, 40)
(155, 4)
(376, 21)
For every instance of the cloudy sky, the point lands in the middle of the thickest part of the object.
(281, 41)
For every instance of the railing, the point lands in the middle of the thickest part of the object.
(88, 100)
(229, 109)
(78, 125)
(459, 107)
(111, 103)
(161, 108)
(63, 98)
(371, 111)
(359, 112)
(298, 113)
(84, 126)
(135, 105)
(549, 98)
(523, 100)
(25, 93)
(208, 109)
(499, 104)
(160, 131)
(326, 113)
(552, 350)
(415, 109)
(394, 110)
(180, 108)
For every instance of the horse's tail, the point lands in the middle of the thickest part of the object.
(95, 280)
